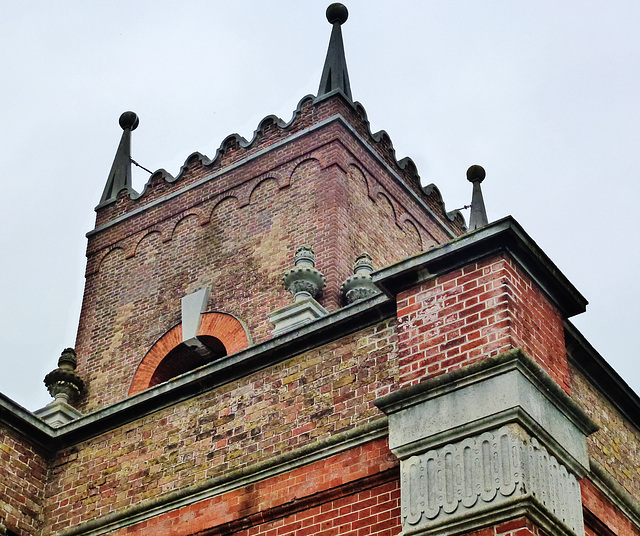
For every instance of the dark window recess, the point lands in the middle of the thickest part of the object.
(184, 358)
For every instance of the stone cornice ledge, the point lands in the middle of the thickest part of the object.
(21, 420)
(328, 328)
(505, 235)
(236, 479)
(537, 403)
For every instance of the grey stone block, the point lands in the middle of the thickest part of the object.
(193, 305)
(490, 477)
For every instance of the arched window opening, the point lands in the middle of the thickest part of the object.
(221, 333)
(184, 358)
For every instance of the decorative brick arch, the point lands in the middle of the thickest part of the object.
(224, 327)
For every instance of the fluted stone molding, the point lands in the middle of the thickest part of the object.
(359, 286)
(495, 440)
(495, 470)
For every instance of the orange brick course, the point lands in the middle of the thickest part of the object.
(598, 504)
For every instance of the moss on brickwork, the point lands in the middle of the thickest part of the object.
(616, 446)
(298, 402)
(23, 477)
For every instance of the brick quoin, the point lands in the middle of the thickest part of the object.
(473, 312)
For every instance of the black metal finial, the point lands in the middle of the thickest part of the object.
(478, 217)
(335, 75)
(120, 174)
(476, 173)
(129, 120)
(337, 13)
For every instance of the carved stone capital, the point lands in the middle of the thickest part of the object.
(490, 476)
(492, 441)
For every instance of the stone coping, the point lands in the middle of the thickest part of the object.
(338, 324)
(472, 373)
(507, 388)
(505, 235)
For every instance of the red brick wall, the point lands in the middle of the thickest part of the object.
(521, 526)
(483, 309)
(290, 405)
(238, 233)
(23, 473)
(598, 504)
(356, 492)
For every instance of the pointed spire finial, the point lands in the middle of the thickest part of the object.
(478, 217)
(335, 74)
(120, 174)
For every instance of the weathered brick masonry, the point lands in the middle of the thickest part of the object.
(288, 406)
(23, 476)
(452, 397)
(483, 309)
(238, 232)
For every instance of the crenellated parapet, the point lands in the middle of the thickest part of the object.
(235, 150)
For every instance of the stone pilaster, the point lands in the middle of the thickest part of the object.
(487, 443)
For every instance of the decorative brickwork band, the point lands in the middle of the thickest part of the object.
(483, 472)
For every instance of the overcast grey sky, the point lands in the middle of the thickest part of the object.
(544, 95)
